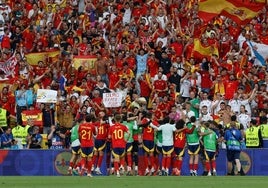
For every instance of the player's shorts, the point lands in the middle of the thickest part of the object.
(135, 145)
(108, 147)
(158, 149)
(76, 150)
(118, 152)
(233, 154)
(179, 152)
(100, 145)
(167, 150)
(193, 149)
(129, 147)
(209, 155)
(87, 151)
(148, 146)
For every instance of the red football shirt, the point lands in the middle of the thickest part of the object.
(102, 130)
(86, 132)
(116, 133)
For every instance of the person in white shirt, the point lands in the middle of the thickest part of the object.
(205, 102)
(235, 103)
(168, 128)
(205, 115)
(127, 14)
(188, 113)
(244, 118)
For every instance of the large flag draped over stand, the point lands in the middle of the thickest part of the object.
(239, 11)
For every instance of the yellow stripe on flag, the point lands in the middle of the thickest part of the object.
(34, 58)
(88, 62)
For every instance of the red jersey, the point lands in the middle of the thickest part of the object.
(148, 132)
(86, 132)
(180, 138)
(116, 133)
(102, 130)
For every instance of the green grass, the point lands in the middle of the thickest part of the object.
(129, 182)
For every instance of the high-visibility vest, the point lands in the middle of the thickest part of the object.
(264, 130)
(3, 117)
(252, 137)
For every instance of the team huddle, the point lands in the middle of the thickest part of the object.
(163, 143)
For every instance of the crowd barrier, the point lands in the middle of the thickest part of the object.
(56, 162)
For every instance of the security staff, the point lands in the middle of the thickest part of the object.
(264, 126)
(253, 135)
(4, 117)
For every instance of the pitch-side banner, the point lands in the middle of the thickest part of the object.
(46, 96)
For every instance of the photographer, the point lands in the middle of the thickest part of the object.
(56, 137)
(34, 138)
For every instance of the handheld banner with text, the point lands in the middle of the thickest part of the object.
(112, 100)
(46, 96)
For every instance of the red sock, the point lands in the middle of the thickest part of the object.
(179, 164)
(208, 166)
(71, 164)
(213, 164)
(168, 162)
(99, 161)
(129, 159)
(83, 163)
(151, 160)
(195, 166)
(89, 165)
(94, 160)
(122, 161)
(156, 162)
(116, 166)
(191, 166)
(146, 158)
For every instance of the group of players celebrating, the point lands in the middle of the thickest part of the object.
(122, 137)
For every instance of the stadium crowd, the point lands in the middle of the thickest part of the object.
(146, 50)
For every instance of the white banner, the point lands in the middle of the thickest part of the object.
(46, 96)
(111, 100)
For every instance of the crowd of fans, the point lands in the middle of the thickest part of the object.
(143, 48)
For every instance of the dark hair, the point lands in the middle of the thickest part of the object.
(192, 119)
(233, 118)
(180, 124)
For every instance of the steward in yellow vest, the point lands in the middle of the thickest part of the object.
(4, 117)
(253, 135)
(264, 126)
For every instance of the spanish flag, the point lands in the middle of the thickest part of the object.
(239, 11)
(34, 115)
(88, 62)
(34, 58)
(201, 51)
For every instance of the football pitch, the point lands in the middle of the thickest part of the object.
(133, 181)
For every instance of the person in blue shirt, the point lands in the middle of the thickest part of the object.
(233, 139)
(34, 139)
(7, 139)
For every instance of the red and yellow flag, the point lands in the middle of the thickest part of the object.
(34, 115)
(88, 62)
(239, 11)
(34, 58)
(201, 51)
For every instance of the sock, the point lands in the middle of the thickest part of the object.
(179, 164)
(213, 164)
(168, 162)
(99, 161)
(129, 160)
(208, 166)
(195, 166)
